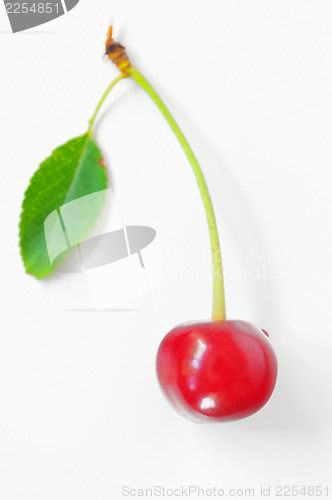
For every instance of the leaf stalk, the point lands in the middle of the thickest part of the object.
(105, 94)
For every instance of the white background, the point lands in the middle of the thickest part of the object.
(81, 413)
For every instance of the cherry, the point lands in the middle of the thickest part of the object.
(216, 371)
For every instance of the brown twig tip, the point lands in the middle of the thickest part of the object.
(116, 52)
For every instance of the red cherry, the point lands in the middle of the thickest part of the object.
(217, 371)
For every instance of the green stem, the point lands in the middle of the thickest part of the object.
(109, 88)
(218, 312)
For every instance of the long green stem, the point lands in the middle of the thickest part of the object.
(109, 88)
(218, 312)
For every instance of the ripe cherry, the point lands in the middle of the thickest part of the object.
(219, 370)
(216, 371)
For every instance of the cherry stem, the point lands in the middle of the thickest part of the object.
(218, 311)
(105, 94)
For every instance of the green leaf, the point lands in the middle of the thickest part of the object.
(73, 171)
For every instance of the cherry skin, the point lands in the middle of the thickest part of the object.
(217, 371)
